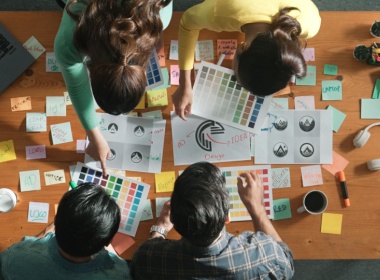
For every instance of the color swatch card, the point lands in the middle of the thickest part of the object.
(217, 96)
(129, 194)
(200, 139)
(136, 143)
(153, 72)
(238, 212)
(295, 137)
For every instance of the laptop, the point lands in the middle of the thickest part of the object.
(14, 58)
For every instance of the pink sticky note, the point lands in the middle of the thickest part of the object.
(311, 175)
(35, 152)
(308, 54)
(81, 146)
(227, 47)
(174, 75)
(121, 242)
(339, 164)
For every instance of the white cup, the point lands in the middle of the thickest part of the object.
(8, 200)
(314, 202)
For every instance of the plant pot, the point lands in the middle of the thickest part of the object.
(361, 52)
(375, 29)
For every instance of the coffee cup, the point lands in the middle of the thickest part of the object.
(314, 202)
(8, 200)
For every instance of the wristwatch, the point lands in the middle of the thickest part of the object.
(159, 229)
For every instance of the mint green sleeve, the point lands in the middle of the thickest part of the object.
(74, 73)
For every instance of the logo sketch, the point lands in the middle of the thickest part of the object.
(203, 138)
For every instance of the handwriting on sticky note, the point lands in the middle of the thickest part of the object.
(329, 69)
(30, 180)
(173, 55)
(147, 213)
(35, 152)
(7, 151)
(160, 201)
(55, 106)
(157, 97)
(279, 104)
(174, 74)
(165, 181)
(281, 209)
(38, 212)
(204, 50)
(304, 103)
(61, 133)
(21, 103)
(34, 47)
(35, 122)
(280, 177)
(67, 98)
(308, 54)
(311, 175)
(332, 90)
(52, 64)
(227, 47)
(54, 177)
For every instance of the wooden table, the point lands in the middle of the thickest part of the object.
(339, 34)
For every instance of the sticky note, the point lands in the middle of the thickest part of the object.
(116, 171)
(61, 133)
(34, 47)
(174, 75)
(138, 179)
(67, 98)
(304, 103)
(338, 118)
(7, 151)
(36, 122)
(160, 201)
(81, 146)
(55, 106)
(21, 103)
(329, 69)
(141, 104)
(281, 209)
(227, 47)
(376, 89)
(30, 180)
(279, 104)
(147, 213)
(311, 175)
(252, 142)
(121, 242)
(35, 152)
(310, 79)
(280, 178)
(165, 181)
(157, 97)
(38, 212)
(157, 114)
(165, 75)
(308, 54)
(52, 64)
(339, 163)
(331, 223)
(173, 54)
(332, 90)
(54, 177)
(204, 50)
(370, 109)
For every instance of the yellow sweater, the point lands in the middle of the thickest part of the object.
(231, 15)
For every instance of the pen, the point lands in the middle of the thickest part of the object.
(342, 179)
(72, 184)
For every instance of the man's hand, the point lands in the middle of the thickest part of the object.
(163, 220)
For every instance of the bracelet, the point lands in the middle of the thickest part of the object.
(159, 229)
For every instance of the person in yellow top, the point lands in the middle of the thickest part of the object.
(271, 52)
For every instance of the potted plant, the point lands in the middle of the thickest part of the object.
(361, 52)
(375, 29)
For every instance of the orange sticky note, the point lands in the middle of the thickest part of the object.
(339, 164)
(165, 181)
(227, 47)
(121, 242)
(21, 103)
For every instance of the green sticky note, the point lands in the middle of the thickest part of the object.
(330, 69)
(165, 75)
(332, 90)
(376, 89)
(370, 109)
(338, 118)
(281, 209)
(310, 79)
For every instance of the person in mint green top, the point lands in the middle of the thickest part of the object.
(103, 47)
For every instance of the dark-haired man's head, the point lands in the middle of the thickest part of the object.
(200, 203)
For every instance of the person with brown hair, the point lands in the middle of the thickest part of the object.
(271, 52)
(103, 47)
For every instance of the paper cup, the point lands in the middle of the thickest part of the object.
(8, 200)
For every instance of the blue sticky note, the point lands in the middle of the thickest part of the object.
(376, 89)
(61, 133)
(30, 180)
(35, 122)
(370, 109)
(330, 69)
(338, 117)
(332, 90)
(310, 79)
(55, 106)
(281, 209)
(165, 75)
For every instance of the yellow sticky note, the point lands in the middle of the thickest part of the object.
(157, 97)
(141, 104)
(331, 223)
(7, 151)
(165, 181)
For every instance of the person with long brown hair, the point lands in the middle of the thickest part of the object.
(103, 47)
(271, 52)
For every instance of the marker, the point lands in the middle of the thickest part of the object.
(342, 179)
(72, 184)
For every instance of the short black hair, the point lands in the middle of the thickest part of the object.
(200, 203)
(87, 219)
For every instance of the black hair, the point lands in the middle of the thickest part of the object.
(86, 221)
(200, 203)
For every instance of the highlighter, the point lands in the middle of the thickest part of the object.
(72, 184)
(342, 179)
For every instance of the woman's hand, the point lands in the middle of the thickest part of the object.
(183, 96)
(98, 148)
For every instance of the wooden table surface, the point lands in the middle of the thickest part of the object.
(340, 33)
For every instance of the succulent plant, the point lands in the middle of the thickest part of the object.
(362, 52)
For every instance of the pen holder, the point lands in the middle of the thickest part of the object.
(8, 200)
(370, 55)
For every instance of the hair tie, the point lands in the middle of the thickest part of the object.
(123, 60)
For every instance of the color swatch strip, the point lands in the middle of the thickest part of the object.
(128, 194)
(153, 72)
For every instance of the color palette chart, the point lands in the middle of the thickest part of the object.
(218, 96)
(153, 72)
(238, 212)
(129, 194)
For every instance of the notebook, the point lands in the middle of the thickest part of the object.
(14, 58)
